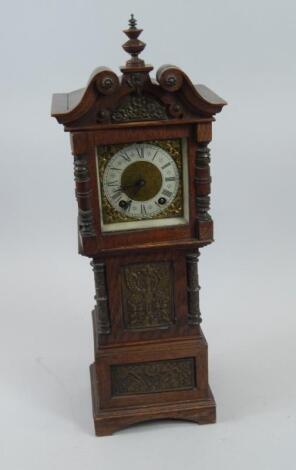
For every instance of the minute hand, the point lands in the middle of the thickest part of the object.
(138, 184)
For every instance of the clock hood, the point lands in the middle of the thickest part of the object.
(109, 99)
(134, 97)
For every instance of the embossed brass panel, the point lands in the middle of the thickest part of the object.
(139, 108)
(106, 152)
(147, 295)
(153, 377)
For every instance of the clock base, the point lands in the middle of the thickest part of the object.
(108, 421)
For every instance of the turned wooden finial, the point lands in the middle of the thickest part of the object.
(133, 46)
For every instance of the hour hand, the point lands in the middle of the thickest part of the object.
(137, 185)
(127, 186)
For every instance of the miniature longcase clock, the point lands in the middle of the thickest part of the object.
(141, 165)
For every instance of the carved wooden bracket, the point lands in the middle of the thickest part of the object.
(78, 142)
(204, 132)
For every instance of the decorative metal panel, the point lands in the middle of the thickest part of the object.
(153, 377)
(147, 293)
(139, 108)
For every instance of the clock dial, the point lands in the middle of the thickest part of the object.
(141, 181)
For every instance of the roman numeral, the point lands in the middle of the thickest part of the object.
(140, 151)
(116, 195)
(155, 155)
(113, 168)
(128, 207)
(170, 178)
(143, 209)
(166, 165)
(126, 157)
(113, 183)
(167, 193)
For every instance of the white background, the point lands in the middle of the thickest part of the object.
(244, 51)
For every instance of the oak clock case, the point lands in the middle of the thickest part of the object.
(142, 175)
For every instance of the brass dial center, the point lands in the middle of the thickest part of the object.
(141, 181)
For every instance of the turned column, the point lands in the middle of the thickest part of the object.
(101, 310)
(194, 315)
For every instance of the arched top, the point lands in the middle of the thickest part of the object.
(109, 99)
(172, 95)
